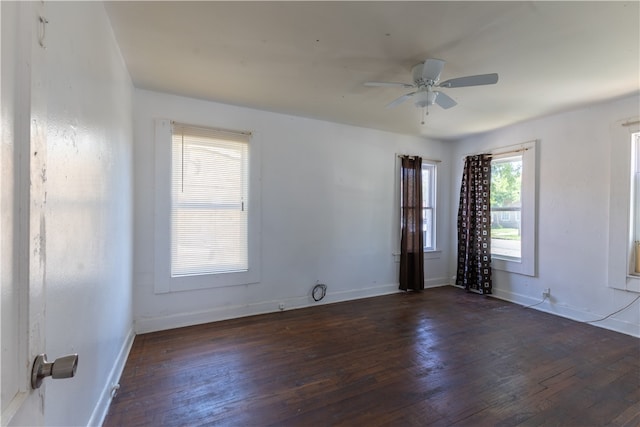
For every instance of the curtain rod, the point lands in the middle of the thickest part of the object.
(413, 157)
(625, 124)
(519, 150)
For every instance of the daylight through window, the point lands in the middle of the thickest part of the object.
(429, 205)
(506, 206)
(635, 203)
(209, 203)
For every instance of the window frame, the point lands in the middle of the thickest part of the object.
(505, 215)
(527, 263)
(620, 251)
(164, 282)
(429, 252)
(430, 203)
(634, 209)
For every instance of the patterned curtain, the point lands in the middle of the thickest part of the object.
(474, 225)
(411, 240)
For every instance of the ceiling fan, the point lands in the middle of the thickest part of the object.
(426, 77)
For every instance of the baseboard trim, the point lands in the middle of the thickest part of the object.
(568, 312)
(102, 406)
(153, 324)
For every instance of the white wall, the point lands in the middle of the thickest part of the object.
(327, 212)
(89, 208)
(573, 213)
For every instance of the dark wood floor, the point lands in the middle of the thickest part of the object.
(441, 357)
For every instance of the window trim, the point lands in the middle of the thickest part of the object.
(163, 282)
(432, 253)
(508, 154)
(634, 210)
(430, 164)
(527, 264)
(620, 227)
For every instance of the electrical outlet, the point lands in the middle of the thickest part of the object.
(546, 293)
(281, 306)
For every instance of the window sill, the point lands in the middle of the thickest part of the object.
(518, 266)
(633, 282)
(434, 254)
(506, 258)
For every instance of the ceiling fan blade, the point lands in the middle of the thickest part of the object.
(444, 100)
(388, 84)
(480, 79)
(400, 100)
(432, 69)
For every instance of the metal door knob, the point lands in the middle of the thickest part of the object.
(62, 367)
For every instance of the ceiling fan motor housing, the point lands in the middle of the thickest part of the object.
(416, 73)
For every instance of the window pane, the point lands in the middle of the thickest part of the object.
(209, 203)
(428, 203)
(209, 241)
(506, 186)
(635, 204)
(427, 227)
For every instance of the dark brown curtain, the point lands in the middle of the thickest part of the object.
(474, 225)
(411, 240)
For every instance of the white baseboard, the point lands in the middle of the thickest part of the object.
(102, 406)
(152, 324)
(565, 311)
(436, 283)
(568, 312)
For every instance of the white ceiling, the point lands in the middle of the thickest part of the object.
(311, 58)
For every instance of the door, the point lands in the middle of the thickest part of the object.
(22, 197)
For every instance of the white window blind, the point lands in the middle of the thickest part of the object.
(209, 201)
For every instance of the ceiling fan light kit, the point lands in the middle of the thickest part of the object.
(424, 98)
(426, 76)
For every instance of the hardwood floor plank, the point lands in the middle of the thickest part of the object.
(440, 357)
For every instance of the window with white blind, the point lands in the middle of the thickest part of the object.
(209, 201)
(207, 223)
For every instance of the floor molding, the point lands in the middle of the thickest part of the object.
(102, 406)
(568, 312)
(161, 323)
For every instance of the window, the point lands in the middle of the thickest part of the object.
(429, 205)
(506, 186)
(207, 222)
(513, 208)
(624, 198)
(209, 201)
(634, 212)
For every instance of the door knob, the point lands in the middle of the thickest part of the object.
(62, 367)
